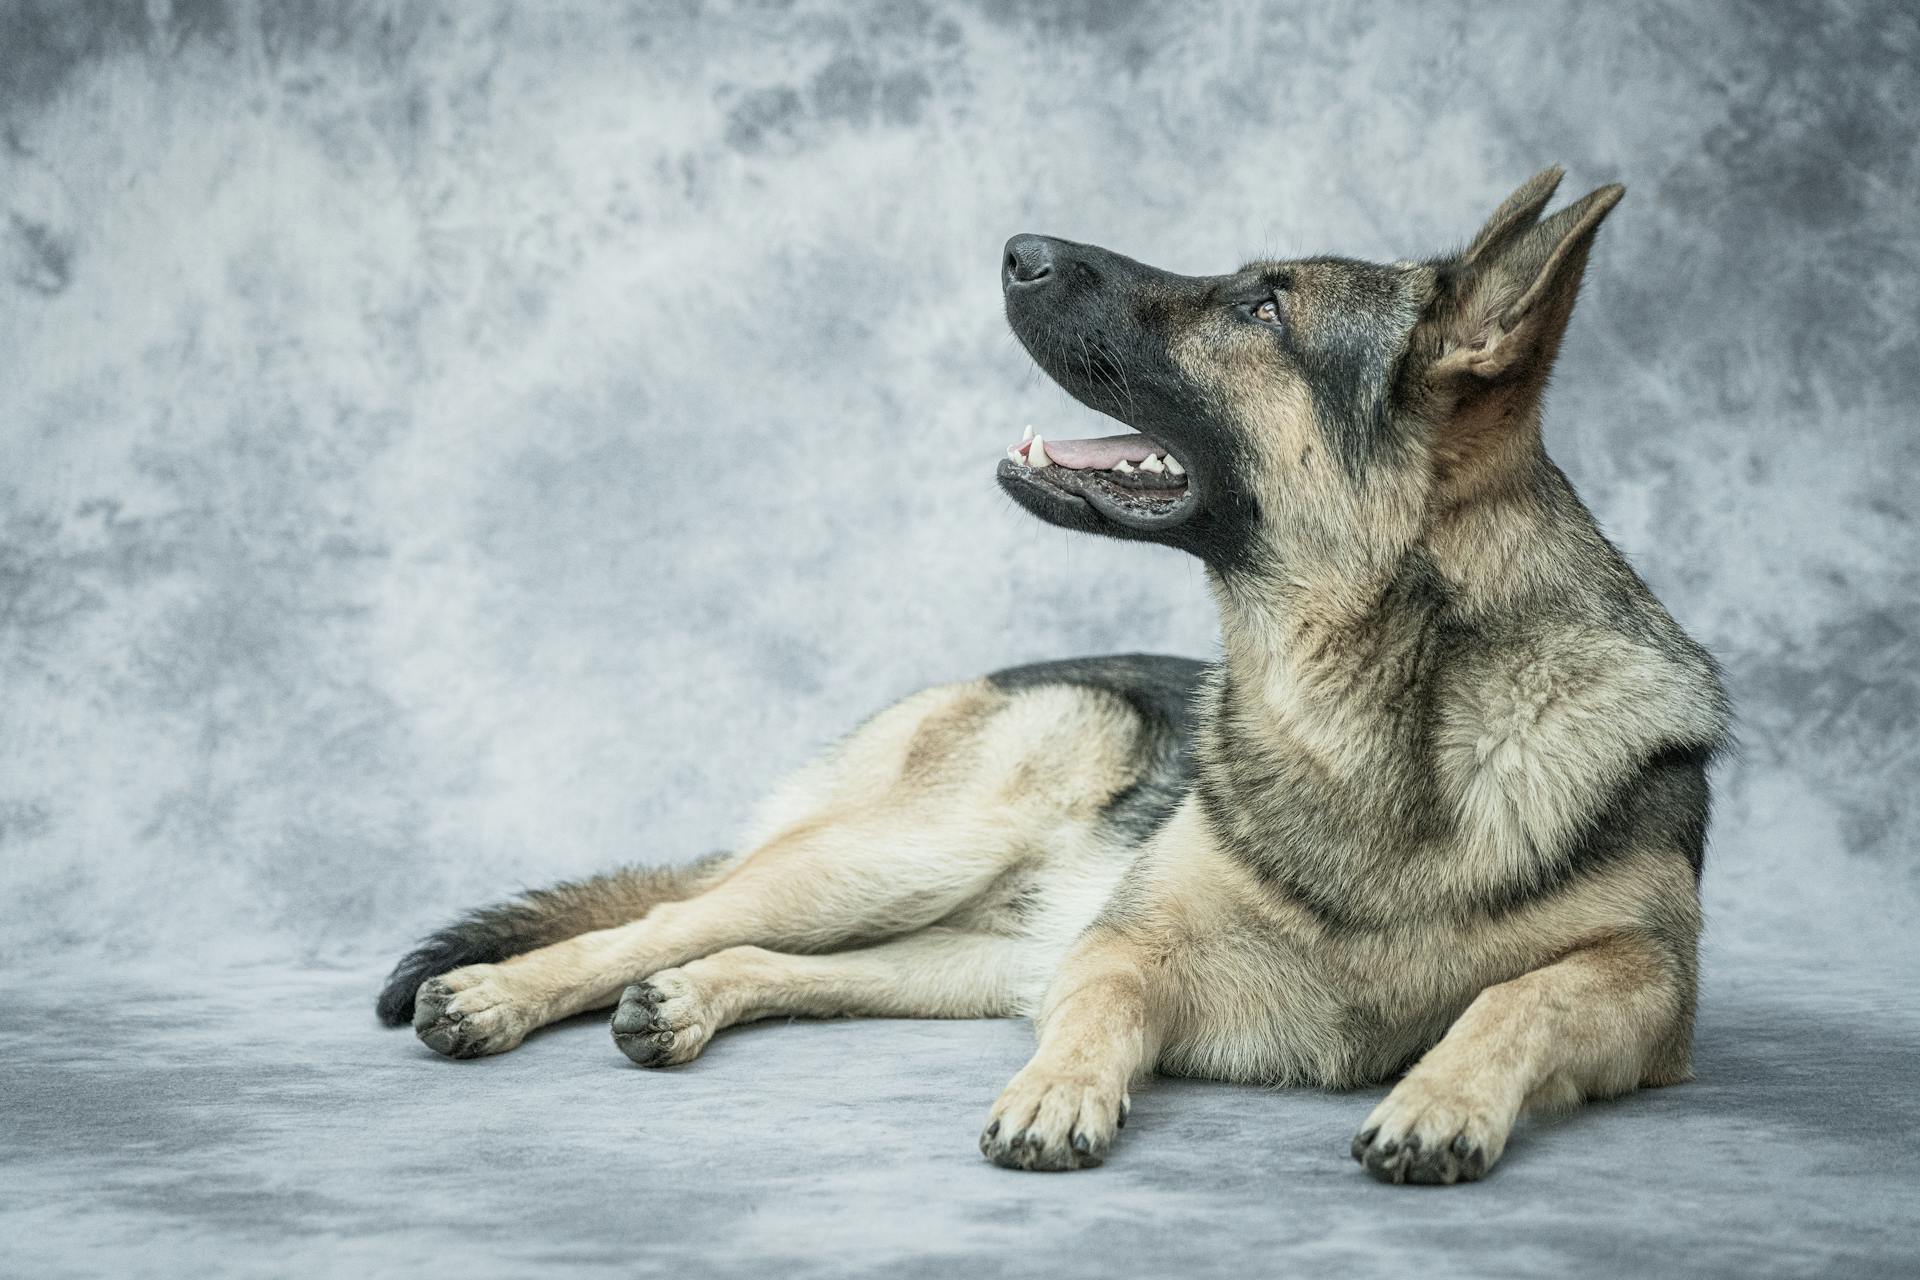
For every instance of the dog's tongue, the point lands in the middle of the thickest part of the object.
(1103, 453)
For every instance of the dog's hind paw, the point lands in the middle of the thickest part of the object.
(469, 1013)
(663, 1021)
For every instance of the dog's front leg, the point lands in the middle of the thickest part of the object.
(1607, 1016)
(1099, 1029)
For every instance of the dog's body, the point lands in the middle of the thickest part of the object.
(1441, 802)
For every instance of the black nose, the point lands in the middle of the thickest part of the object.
(1029, 260)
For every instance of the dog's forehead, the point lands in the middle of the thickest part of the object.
(1348, 281)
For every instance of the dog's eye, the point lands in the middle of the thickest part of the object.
(1267, 312)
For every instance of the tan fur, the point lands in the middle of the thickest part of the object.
(1529, 745)
(1235, 981)
(1208, 974)
(1587, 1025)
(933, 973)
(1491, 435)
(949, 858)
(871, 842)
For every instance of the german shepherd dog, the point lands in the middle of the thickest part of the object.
(1439, 807)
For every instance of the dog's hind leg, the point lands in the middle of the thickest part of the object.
(935, 973)
(540, 918)
(815, 887)
(916, 816)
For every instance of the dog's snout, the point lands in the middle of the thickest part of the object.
(1029, 260)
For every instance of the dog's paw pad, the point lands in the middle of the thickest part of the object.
(662, 1022)
(469, 1013)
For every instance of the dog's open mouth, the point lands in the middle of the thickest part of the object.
(1131, 479)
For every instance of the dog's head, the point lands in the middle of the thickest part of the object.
(1321, 407)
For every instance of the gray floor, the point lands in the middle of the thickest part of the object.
(255, 1121)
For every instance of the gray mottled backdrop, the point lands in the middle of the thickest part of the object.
(447, 448)
(443, 449)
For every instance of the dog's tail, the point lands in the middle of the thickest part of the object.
(540, 918)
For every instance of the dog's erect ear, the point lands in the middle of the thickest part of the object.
(1507, 300)
(1517, 213)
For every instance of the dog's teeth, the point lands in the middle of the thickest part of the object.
(1153, 464)
(1013, 451)
(1124, 467)
(1037, 453)
(1173, 466)
(1028, 435)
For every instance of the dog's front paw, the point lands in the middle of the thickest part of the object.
(1049, 1121)
(1428, 1131)
(470, 1012)
(663, 1021)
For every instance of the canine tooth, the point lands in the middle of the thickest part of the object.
(1153, 464)
(1173, 466)
(1037, 453)
(1028, 435)
(1124, 467)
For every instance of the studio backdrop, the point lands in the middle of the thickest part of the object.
(445, 448)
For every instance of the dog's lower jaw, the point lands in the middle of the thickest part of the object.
(1094, 504)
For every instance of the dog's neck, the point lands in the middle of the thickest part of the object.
(1313, 645)
(1311, 651)
(1515, 544)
